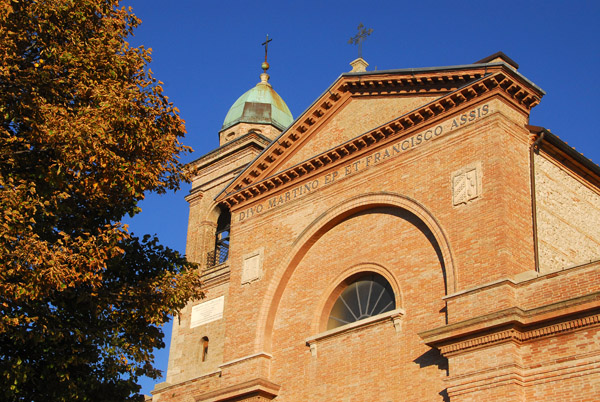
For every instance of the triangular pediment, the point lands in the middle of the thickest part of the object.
(357, 115)
(363, 111)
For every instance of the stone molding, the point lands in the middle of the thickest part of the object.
(395, 316)
(359, 65)
(241, 359)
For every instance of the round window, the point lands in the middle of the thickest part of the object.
(366, 297)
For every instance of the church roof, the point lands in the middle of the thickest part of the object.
(261, 105)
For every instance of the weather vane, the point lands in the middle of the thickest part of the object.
(360, 37)
(265, 65)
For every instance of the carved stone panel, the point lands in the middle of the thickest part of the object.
(252, 266)
(466, 184)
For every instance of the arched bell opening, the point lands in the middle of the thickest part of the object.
(220, 252)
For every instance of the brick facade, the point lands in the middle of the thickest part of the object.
(482, 225)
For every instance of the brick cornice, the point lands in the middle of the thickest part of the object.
(516, 325)
(252, 184)
(216, 275)
(194, 196)
(251, 139)
(518, 335)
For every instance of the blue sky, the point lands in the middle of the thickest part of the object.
(209, 53)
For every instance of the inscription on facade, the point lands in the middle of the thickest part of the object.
(206, 312)
(393, 150)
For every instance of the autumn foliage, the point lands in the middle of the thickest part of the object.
(85, 132)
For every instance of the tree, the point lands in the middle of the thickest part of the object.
(85, 132)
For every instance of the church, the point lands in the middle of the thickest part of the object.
(409, 237)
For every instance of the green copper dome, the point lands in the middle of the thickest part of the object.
(260, 105)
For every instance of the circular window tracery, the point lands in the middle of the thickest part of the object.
(367, 296)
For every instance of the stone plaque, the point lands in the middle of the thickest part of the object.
(252, 266)
(466, 184)
(206, 312)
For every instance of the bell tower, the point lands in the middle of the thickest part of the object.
(252, 122)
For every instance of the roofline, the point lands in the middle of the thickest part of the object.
(377, 72)
(566, 148)
(444, 68)
(498, 55)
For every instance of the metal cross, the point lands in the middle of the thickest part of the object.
(360, 37)
(266, 45)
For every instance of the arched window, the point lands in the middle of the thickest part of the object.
(367, 296)
(220, 254)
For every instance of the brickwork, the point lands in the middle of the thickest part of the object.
(215, 170)
(185, 357)
(430, 184)
(528, 291)
(537, 335)
(556, 368)
(357, 116)
(568, 212)
(351, 358)
(440, 204)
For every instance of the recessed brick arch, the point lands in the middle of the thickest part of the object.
(324, 223)
(213, 213)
